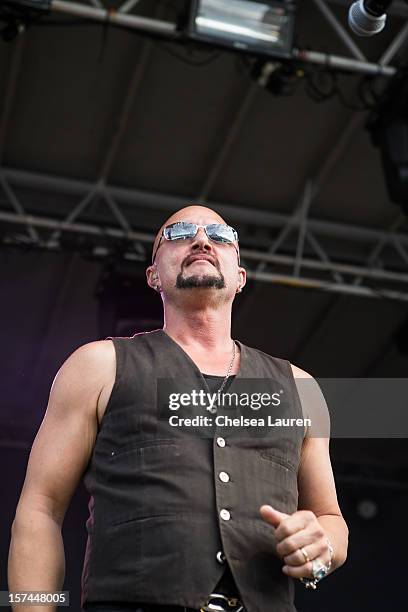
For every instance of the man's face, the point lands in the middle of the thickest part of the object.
(195, 263)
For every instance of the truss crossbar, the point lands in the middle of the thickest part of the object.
(100, 236)
(165, 202)
(170, 30)
(247, 255)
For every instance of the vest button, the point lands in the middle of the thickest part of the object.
(223, 476)
(221, 442)
(225, 515)
(220, 557)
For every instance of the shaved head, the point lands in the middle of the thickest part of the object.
(188, 213)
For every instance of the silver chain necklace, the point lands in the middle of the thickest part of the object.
(224, 382)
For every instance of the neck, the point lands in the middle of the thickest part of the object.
(207, 328)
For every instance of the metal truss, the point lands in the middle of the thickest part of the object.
(96, 10)
(296, 251)
(318, 271)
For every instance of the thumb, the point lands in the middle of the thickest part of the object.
(272, 516)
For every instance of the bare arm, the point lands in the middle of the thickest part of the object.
(59, 455)
(317, 492)
(317, 489)
(302, 536)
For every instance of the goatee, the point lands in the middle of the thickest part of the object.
(202, 280)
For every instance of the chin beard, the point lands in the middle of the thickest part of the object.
(202, 280)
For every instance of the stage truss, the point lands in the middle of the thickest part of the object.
(296, 249)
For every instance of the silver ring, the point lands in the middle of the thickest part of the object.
(319, 569)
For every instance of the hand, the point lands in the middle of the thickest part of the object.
(293, 532)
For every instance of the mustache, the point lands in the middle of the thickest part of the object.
(202, 255)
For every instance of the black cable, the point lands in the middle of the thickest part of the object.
(104, 39)
(367, 91)
(319, 91)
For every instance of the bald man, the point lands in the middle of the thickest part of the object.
(181, 518)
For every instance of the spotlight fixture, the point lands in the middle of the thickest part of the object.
(259, 26)
(18, 14)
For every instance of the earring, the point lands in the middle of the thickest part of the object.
(239, 289)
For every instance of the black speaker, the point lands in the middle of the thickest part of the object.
(393, 141)
(388, 125)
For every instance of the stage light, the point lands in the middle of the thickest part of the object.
(264, 27)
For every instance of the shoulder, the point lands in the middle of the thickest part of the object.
(313, 404)
(87, 376)
(88, 366)
(306, 384)
(299, 373)
(92, 355)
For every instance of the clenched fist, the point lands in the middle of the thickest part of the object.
(293, 532)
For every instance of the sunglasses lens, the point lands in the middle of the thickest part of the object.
(221, 233)
(179, 231)
(215, 231)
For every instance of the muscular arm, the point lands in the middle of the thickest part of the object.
(317, 492)
(59, 455)
(318, 516)
(317, 489)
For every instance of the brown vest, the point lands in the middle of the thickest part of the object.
(159, 511)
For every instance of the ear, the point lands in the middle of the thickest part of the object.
(152, 277)
(242, 276)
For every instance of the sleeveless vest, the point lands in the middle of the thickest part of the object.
(159, 509)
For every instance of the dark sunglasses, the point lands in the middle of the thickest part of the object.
(183, 230)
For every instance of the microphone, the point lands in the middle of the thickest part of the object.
(368, 17)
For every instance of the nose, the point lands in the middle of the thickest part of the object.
(201, 241)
